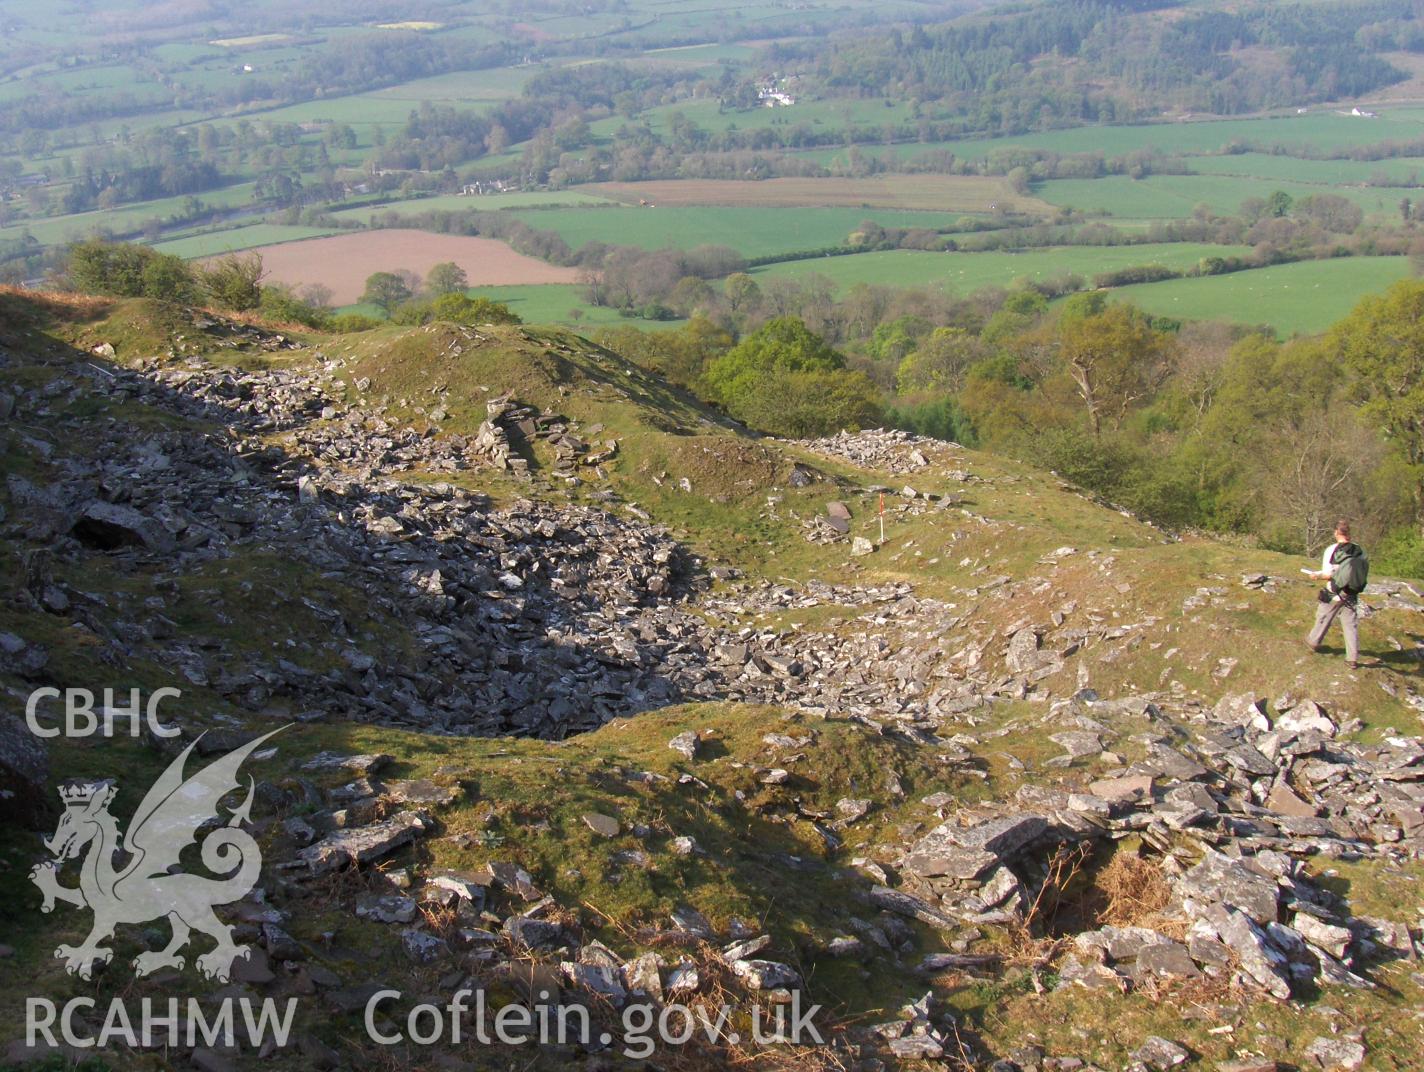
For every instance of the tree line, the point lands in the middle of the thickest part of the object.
(1202, 426)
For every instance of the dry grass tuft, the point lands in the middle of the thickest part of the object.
(1135, 889)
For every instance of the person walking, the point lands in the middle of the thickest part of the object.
(1345, 570)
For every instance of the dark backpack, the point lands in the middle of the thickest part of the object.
(1352, 569)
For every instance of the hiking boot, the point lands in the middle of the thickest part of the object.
(1352, 665)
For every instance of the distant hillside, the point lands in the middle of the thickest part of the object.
(1024, 67)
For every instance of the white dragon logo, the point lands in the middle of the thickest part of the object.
(144, 888)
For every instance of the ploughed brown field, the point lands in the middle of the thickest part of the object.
(949, 193)
(342, 262)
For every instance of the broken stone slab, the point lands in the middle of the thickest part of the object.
(510, 877)
(423, 792)
(947, 860)
(596, 979)
(1286, 801)
(1160, 1054)
(1090, 975)
(1023, 655)
(254, 968)
(1078, 744)
(463, 884)
(1242, 709)
(1336, 1054)
(1384, 934)
(421, 945)
(767, 974)
(1246, 758)
(911, 907)
(1125, 790)
(602, 825)
(362, 844)
(111, 527)
(916, 1048)
(362, 764)
(642, 976)
(845, 946)
(1169, 763)
(850, 809)
(1166, 960)
(1306, 717)
(1260, 961)
(684, 978)
(1003, 837)
(860, 546)
(1120, 943)
(950, 851)
(934, 963)
(25, 799)
(1219, 880)
(281, 945)
(690, 921)
(999, 888)
(686, 744)
(386, 908)
(1334, 940)
(746, 949)
(22, 658)
(531, 933)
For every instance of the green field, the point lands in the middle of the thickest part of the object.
(1399, 171)
(752, 231)
(553, 303)
(1299, 298)
(700, 55)
(967, 272)
(57, 230)
(1318, 132)
(238, 238)
(485, 203)
(1177, 196)
(872, 114)
(359, 112)
(458, 87)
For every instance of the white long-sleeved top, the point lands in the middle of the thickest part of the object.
(1325, 565)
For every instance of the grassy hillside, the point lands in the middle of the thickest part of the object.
(912, 699)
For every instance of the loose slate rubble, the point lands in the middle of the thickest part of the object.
(887, 449)
(1249, 910)
(534, 618)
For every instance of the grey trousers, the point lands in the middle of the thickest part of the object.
(1325, 613)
